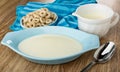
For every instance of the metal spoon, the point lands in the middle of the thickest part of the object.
(102, 55)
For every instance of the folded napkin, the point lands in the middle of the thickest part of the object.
(63, 8)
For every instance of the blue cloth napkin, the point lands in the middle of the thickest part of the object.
(63, 8)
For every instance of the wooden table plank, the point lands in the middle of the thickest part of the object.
(12, 62)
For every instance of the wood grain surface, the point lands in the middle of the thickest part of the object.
(12, 62)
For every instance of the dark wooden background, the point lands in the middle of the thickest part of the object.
(12, 62)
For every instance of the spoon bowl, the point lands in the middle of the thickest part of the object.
(105, 52)
(102, 55)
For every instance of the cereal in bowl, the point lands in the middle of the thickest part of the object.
(38, 18)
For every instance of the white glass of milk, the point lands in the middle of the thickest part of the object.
(96, 18)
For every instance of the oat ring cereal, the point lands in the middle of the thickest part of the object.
(42, 20)
(35, 16)
(42, 13)
(48, 15)
(30, 25)
(45, 9)
(38, 18)
(48, 21)
(30, 19)
(24, 20)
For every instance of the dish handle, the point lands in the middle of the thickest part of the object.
(7, 40)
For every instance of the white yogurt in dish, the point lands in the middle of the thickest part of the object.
(50, 46)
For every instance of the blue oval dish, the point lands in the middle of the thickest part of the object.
(89, 42)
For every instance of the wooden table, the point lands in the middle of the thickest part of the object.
(12, 62)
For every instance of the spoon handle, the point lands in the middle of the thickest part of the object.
(88, 66)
